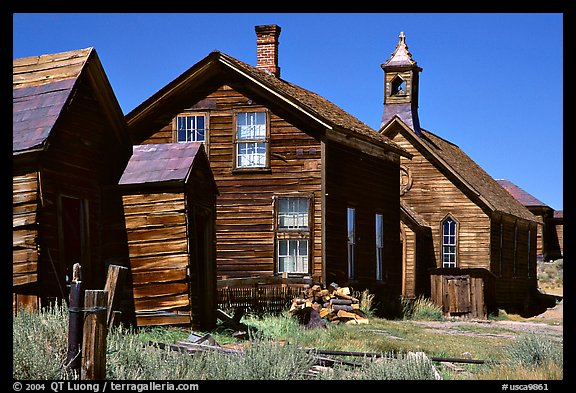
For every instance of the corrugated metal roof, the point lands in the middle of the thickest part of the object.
(154, 163)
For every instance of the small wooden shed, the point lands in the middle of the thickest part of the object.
(463, 292)
(69, 147)
(169, 198)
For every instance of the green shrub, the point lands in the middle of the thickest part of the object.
(411, 366)
(421, 308)
(532, 351)
(40, 344)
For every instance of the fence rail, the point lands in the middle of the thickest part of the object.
(258, 299)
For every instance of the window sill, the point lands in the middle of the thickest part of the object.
(238, 171)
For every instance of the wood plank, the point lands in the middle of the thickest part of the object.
(162, 303)
(159, 262)
(160, 275)
(26, 255)
(158, 248)
(154, 290)
(162, 319)
(160, 207)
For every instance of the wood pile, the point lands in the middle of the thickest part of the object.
(334, 304)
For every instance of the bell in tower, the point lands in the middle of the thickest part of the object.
(401, 87)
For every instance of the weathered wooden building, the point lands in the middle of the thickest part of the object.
(549, 240)
(169, 198)
(69, 147)
(304, 187)
(455, 215)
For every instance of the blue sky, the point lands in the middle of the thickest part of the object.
(492, 83)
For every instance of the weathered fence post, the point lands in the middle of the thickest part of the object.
(95, 331)
(75, 316)
(114, 280)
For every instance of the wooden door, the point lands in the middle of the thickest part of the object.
(457, 294)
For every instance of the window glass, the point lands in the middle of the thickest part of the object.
(449, 243)
(379, 245)
(293, 234)
(190, 128)
(251, 142)
(293, 255)
(293, 213)
(351, 219)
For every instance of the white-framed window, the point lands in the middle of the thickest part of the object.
(191, 128)
(293, 234)
(449, 242)
(379, 226)
(351, 227)
(251, 140)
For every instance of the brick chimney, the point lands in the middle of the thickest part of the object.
(267, 48)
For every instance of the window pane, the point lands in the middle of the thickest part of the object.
(351, 224)
(449, 243)
(251, 125)
(293, 213)
(379, 230)
(293, 256)
(251, 154)
(191, 128)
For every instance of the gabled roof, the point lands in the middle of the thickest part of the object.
(43, 86)
(210, 70)
(158, 163)
(456, 164)
(521, 196)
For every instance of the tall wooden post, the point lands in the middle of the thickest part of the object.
(116, 275)
(95, 331)
(75, 316)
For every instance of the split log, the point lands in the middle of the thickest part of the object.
(333, 303)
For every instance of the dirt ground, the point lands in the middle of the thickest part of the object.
(549, 323)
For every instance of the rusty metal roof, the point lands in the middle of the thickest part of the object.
(35, 110)
(153, 163)
(521, 196)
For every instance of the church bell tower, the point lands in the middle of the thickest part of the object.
(401, 86)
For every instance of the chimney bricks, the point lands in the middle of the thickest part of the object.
(267, 48)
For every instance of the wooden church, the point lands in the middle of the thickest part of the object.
(455, 218)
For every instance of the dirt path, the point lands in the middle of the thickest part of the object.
(547, 324)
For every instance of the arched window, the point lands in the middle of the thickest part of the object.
(449, 242)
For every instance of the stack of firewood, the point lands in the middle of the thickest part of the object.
(334, 304)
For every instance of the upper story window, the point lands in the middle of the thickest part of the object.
(449, 242)
(191, 128)
(293, 234)
(251, 141)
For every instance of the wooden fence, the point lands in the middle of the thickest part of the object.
(260, 295)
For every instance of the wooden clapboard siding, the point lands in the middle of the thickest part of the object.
(24, 228)
(245, 211)
(409, 239)
(435, 195)
(514, 265)
(354, 179)
(158, 244)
